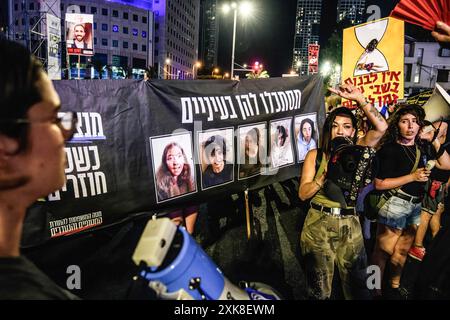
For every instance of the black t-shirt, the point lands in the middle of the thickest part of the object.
(20, 279)
(211, 179)
(396, 160)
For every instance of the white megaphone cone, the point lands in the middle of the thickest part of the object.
(177, 268)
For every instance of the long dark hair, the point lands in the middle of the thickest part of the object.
(326, 136)
(218, 141)
(18, 89)
(282, 130)
(372, 45)
(255, 135)
(164, 176)
(393, 133)
(311, 123)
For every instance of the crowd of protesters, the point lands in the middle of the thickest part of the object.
(32, 161)
(413, 166)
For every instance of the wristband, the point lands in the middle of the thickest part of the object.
(365, 103)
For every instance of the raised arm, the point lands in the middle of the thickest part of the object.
(380, 125)
(443, 160)
(442, 33)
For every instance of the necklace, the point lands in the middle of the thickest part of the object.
(409, 153)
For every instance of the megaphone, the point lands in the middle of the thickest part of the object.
(438, 105)
(177, 268)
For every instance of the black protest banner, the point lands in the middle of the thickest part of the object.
(161, 145)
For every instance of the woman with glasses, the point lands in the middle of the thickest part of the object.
(32, 163)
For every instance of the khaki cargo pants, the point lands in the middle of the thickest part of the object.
(327, 240)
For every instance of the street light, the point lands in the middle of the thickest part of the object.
(215, 70)
(326, 68)
(197, 65)
(298, 66)
(245, 9)
(166, 66)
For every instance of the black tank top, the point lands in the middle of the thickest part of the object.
(438, 174)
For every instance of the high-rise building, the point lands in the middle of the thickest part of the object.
(3, 18)
(176, 37)
(122, 30)
(307, 27)
(127, 33)
(209, 33)
(351, 10)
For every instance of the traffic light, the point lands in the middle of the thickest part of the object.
(257, 67)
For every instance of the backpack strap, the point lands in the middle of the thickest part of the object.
(319, 156)
(416, 164)
(321, 163)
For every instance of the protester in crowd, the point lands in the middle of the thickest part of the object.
(32, 163)
(281, 152)
(147, 74)
(402, 171)
(186, 217)
(218, 170)
(306, 138)
(251, 164)
(332, 235)
(436, 189)
(434, 281)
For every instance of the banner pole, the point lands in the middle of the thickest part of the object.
(247, 213)
(68, 64)
(79, 67)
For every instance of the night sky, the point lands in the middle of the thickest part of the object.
(269, 37)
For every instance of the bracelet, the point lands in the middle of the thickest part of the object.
(365, 103)
(316, 182)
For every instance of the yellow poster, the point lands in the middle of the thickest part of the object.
(372, 60)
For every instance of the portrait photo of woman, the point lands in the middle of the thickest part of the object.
(281, 153)
(173, 162)
(216, 154)
(252, 150)
(306, 135)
